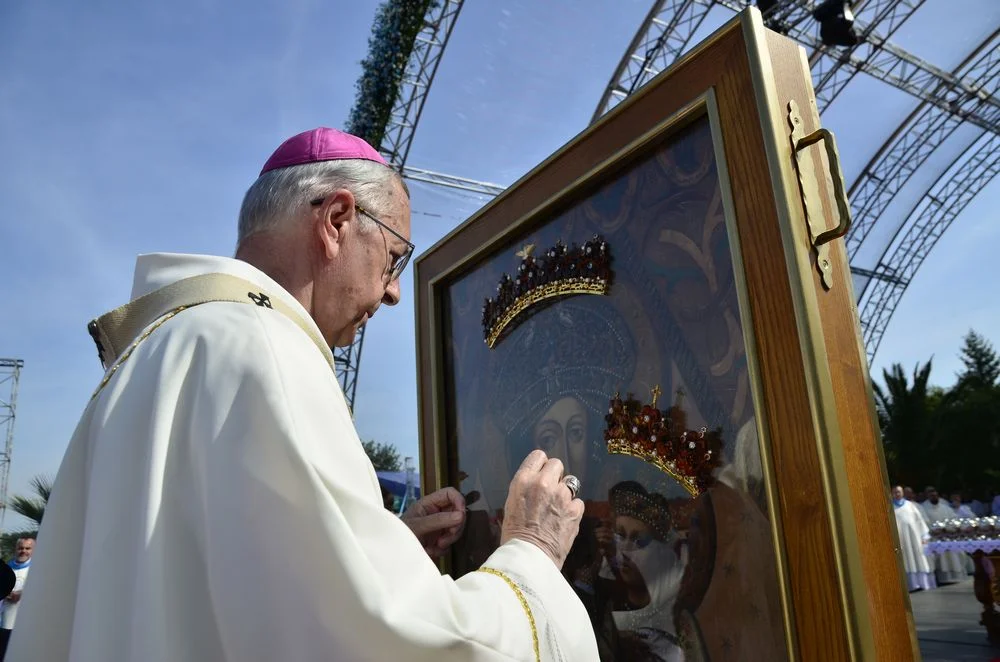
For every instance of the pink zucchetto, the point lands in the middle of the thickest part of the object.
(322, 144)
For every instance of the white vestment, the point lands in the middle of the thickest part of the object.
(913, 533)
(948, 565)
(965, 512)
(8, 612)
(215, 504)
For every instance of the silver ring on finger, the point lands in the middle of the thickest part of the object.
(573, 483)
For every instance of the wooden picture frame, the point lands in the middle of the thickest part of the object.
(838, 592)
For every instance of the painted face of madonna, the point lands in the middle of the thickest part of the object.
(562, 433)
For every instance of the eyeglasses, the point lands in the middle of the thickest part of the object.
(396, 263)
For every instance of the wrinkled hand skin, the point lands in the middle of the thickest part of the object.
(540, 509)
(437, 520)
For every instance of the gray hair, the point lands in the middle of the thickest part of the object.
(287, 192)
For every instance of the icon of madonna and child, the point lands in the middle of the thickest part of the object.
(674, 559)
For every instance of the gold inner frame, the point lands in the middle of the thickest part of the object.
(550, 291)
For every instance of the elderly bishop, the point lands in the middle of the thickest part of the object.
(215, 503)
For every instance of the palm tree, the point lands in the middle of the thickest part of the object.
(32, 508)
(908, 416)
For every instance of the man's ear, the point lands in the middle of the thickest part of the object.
(335, 219)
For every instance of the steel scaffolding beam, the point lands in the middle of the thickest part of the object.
(670, 24)
(395, 147)
(452, 181)
(880, 274)
(10, 375)
(663, 36)
(416, 83)
(919, 135)
(933, 214)
(888, 63)
(826, 64)
(947, 101)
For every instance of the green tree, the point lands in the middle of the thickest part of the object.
(32, 508)
(385, 457)
(970, 424)
(908, 415)
(982, 365)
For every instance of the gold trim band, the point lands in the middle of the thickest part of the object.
(549, 291)
(128, 352)
(623, 447)
(524, 604)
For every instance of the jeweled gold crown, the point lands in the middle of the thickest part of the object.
(560, 272)
(658, 437)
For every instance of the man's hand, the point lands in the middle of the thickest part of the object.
(14, 597)
(437, 520)
(540, 508)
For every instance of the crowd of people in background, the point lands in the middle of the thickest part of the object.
(964, 503)
(916, 513)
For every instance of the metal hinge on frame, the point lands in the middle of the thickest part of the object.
(811, 184)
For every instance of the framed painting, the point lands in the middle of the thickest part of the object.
(665, 305)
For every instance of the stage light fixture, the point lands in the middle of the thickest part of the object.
(836, 23)
(765, 5)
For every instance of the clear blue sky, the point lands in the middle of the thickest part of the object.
(136, 127)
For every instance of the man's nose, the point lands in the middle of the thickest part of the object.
(391, 296)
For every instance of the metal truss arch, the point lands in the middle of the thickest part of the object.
(937, 209)
(916, 138)
(670, 24)
(882, 59)
(948, 100)
(663, 35)
(830, 76)
(409, 102)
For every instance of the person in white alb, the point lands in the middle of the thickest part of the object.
(219, 433)
(20, 564)
(961, 510)
(913, 536)
(948, 566)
